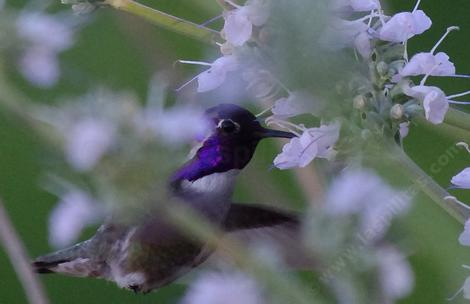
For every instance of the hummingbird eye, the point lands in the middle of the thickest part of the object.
(228, 126)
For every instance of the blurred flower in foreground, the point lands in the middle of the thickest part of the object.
(365, 194)
(229, 288)
(45, 36)
(88, 141)
(73, 213)
(177, 125)
(396, 276)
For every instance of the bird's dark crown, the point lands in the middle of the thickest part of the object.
(234, 136)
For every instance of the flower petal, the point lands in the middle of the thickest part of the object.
(396, 276)
(462, 179)
(237, 27)
(427, 63)
(75, 211)
(216, 74)
(404, 25)
(89, 139)
(229, 288)
(435, 106)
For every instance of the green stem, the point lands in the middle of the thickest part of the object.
(426, 184)
(165, 20)
(15, 250)
(458, 119)
(448, 130)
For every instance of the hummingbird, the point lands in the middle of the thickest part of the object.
(150, 253)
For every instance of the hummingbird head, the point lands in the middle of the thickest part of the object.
(235, 133)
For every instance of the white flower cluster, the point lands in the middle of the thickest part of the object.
(364, 33)
(94, 127)
(361, 25)
(238, 31)
(359, 201)
(363, 193)
(45, 36)
(376, 27)
(230, 288)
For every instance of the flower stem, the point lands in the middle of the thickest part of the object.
(20, 261)
(427, 185)
(165, 20)
(458, 119)
(450, 131)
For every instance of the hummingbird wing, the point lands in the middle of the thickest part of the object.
(253, 225)
(243, 216)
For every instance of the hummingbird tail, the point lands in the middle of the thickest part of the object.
(46, 267)
(71, 261)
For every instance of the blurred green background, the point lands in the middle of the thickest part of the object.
(123, 52)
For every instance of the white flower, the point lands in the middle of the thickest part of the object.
(396, 276)
(88, 141)
(75, 211)
(295, 154)
(405, 25)
(227, 288)
(342, 33)
(356, 5)
(314, 142)
(404, 129)
(216, 74)
(40, 66)
(429, 64)
(364, 193)
(434, 102)
(464, 238)
(295, 104)
(178, 125)
(462, 180)
(45, 37)
(45, 30)
(239, 22)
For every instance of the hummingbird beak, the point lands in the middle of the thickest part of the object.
(266, 133)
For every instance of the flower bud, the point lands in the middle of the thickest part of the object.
(413, 109)
(359, 102)
(397, 111)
